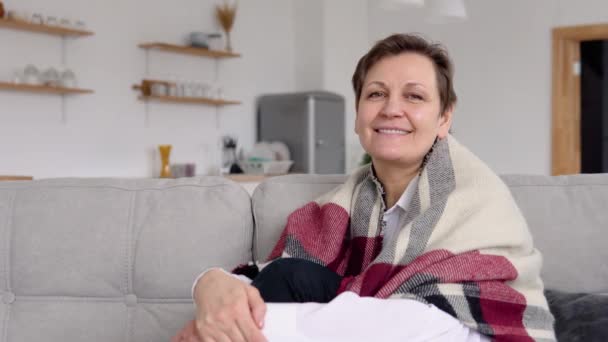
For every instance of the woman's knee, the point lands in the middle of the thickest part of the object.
(286, 267)
(296, 280)
(299, 272)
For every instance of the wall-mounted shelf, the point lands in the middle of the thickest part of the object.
(42, 89)
(189, 100)
(41, 28)
(15, 178)
(189, 50)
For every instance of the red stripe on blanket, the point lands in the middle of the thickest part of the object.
(374, 279)
(506, 320)
(321, 231)
(279, 247)
(363, 251)
(512, 338)
(469, 266)
(382, 279)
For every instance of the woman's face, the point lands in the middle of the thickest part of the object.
(398, 116)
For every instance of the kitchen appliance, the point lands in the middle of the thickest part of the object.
(311, 124)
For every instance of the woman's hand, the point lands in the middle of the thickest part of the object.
(228, 309)
(187, 334)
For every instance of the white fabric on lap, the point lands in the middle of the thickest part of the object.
(352, 318)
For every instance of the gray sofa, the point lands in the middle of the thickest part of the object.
(113, 260)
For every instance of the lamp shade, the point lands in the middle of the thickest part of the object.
(447, 10)
(396, 4)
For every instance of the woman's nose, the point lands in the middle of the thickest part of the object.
(393, 107)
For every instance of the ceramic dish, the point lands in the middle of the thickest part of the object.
(281, 151)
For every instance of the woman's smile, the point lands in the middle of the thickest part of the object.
(391, 131)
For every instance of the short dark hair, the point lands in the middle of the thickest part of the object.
(397, 44)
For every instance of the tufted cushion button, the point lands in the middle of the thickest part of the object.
(8, 297)
(131, 300)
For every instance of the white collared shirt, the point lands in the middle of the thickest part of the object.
(393, 215)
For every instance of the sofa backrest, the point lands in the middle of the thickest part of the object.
(567, 215)
(113, 260)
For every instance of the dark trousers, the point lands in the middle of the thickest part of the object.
(292, 280)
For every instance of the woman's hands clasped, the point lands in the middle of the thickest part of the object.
(227, 310)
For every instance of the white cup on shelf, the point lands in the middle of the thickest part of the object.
(80, 25)
(217, 92)
(31, 75)
(67, 78)
(186, 89)
(199, 90)
(37, 18)
(65, 23)
(51, 21)
(178, 87)
(205, 90)
(172, 88)
(17, 76)
(158, 89)
(50, 77)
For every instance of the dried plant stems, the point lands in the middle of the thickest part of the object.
(226, 14)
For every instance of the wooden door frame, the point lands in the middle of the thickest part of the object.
(566, 95)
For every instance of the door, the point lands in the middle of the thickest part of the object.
(566, 143)
(594, 106)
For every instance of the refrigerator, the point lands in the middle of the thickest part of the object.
(311, 124)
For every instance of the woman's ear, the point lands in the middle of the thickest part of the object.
(445, 123)
(356, 129)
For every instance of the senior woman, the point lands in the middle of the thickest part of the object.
(426, 243)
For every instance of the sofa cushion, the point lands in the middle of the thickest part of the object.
(579, 316)
(113, 260)
(567, 216)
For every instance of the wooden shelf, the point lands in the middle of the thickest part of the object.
(42, 89)
(189, 100)
(189, 50)
(15, 178)
(40, 28)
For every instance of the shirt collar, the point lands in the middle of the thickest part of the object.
(404, 201)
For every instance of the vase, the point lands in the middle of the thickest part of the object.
(228, 42)
(165, 169)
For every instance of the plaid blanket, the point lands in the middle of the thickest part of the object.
(463, 245)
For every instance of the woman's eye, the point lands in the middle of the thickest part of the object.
(376, 94)
(414, 97)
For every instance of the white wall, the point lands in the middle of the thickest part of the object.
(571, 12)
(109, 133)
(345, 41)
(309, 31)
(503, 72)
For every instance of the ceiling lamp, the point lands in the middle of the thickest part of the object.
(396, 4)
(439, 11)
(447, 10)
